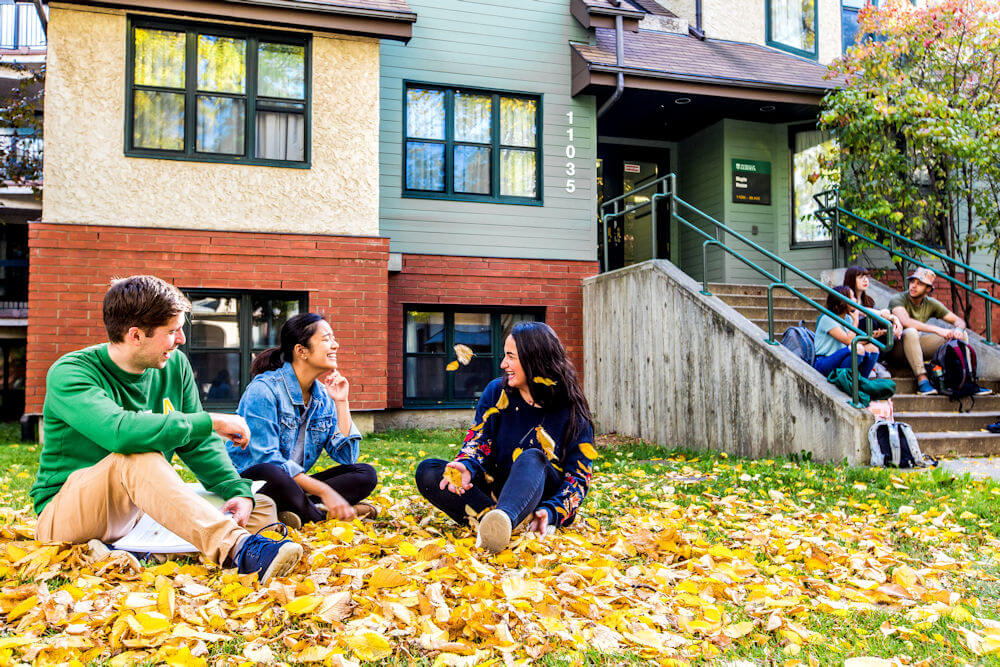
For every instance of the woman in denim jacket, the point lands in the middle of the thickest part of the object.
(297, 406)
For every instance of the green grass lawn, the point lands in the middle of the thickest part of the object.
(782, 518)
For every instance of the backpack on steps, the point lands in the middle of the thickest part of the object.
(801, 341)
(893, 445)
(952, 370)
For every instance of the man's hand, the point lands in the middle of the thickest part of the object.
(539, 523)
(337, 507)
(240, 507)
(466, 478)
(337, 386)
(231, 427)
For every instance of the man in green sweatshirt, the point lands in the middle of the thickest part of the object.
(114, 416)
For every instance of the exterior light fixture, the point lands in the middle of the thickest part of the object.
(682, 100)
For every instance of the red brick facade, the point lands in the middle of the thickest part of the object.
(942, 292)
(554, 285)
(70, 266)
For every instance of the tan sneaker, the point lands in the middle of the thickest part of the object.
(366, 511)
(494, 531)
(290, 519)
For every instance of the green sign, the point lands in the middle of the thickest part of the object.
(751, 182)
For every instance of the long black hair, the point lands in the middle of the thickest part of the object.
(296, 330)
(837, 305)
(550, 374)
(851, 276)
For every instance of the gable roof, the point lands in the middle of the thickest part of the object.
(678, 57)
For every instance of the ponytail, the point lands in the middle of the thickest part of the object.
(296, 330)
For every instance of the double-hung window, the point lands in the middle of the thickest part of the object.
(471, 145)
(431, 332)
(226, 331)
(199, 92)
(808, 147)
(792, 26)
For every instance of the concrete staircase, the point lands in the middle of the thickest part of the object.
(940, 428)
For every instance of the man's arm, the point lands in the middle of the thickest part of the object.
(76, 397)
(910, 323)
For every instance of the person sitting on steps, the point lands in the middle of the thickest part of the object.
(921, 340)
(833, 342)
(297, 406)
(114, 416)
(858, 279)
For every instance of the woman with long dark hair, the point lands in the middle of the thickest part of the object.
(857, 278)
(833, 342)
(297, 406)
(530, 450)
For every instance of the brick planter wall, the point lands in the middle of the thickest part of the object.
(70, 266)
(482, 281)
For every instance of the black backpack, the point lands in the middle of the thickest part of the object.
(953, 370)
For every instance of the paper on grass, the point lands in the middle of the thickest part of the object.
(147, 536)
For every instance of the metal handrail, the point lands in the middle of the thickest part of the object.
(666, 187)
(831, 215)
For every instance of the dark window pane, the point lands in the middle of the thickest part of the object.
(473, 329)
(425, 332)
(268, 316)
(216, 375)
(424, 166)
(221, 125)
(425, 113)
(281, 71)
(214, 322)
(508, 320)
(425, 378)
(222, 64)
(17, 359)
(472, 379)
(472, 169)
(159, 120)
(159, 58)
(281, 136)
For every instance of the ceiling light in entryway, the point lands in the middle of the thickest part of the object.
(767, 108)
(682, 100)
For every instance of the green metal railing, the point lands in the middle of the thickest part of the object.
(830, 212)
(665, 188)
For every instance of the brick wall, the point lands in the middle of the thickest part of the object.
(70, 266)
(482, 281)
(942, 292)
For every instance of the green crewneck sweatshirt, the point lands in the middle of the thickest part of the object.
(94, 408)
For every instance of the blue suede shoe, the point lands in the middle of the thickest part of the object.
(267, 557)
(925, 388)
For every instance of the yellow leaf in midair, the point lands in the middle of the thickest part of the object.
(517, 452)
(464, 354)
(452, 366)
(368, 645)
(385, 578)
(303, 604)
(503, 401)
(546, 381)
(546, 441)
(587, 449)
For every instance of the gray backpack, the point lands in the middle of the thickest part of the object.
(893, 445)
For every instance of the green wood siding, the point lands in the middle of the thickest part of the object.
(518, 46)
(700, 183)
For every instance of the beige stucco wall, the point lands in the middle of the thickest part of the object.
(744, 21)
(88, 178)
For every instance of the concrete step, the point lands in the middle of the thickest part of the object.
(809, 315)
(906, 384)
(779, 325)
(918, 403)
(931, 422)
(959, 443)
(782, 301)
(761, 290)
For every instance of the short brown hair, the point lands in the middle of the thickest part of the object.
(141, 301)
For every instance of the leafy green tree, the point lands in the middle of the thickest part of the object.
(21, 93)
(917, 121)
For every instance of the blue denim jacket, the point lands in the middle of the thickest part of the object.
(269, 406)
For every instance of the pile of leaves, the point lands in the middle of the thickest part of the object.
(678, 560)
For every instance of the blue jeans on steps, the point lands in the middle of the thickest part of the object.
(842, 359)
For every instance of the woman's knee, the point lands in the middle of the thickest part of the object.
(428, 474)
(367, 476)
(534, 458)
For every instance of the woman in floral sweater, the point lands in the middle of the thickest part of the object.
(530, 451)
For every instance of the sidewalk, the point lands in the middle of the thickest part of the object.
(979, 468)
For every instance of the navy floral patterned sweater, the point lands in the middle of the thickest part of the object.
(506, 426)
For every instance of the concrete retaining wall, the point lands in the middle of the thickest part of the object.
(664, 363)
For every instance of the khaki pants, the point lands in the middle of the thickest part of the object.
(106, 500)
(916, 347)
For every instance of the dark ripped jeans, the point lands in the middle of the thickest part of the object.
(531, 479)
(354, 482)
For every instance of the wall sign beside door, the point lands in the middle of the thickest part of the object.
(751, 182)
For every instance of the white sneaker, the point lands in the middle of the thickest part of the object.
(494, 531)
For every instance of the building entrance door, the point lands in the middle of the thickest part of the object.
(622, 170)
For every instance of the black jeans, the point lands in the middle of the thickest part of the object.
(354, 482)
(531, 478)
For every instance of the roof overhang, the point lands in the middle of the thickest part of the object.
(299, 14)
(594, 15)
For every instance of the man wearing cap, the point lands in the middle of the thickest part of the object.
(921, 340)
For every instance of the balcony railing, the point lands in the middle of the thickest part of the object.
(20, 28)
